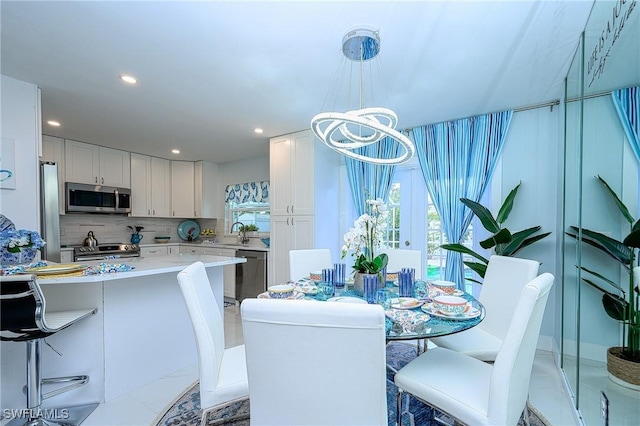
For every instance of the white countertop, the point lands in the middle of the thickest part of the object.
(147, 266)
(197, 243)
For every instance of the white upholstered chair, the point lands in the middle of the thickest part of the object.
(302, 262)
(476, 392)
(223, 372)
(399, 258)
(503, 282)
(315, 363)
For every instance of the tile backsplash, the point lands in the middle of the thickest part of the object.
(113, 228)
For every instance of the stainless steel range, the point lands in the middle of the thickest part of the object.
(106, 251)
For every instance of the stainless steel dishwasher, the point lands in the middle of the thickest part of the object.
(251, 276)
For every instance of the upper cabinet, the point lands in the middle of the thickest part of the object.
(206, 189)
(292, 173)
(182, 189)
(92, 164)
(150, 186)
(53, 152)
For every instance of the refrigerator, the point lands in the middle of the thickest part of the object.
(49, 212)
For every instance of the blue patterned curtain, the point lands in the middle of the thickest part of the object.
(627, 102)
(249, 192)
(457, 159)
(368, 180)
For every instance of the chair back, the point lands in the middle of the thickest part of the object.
(501, 288)
(208, 327)
(22, 307)
(315, 363)
(512, 368)
(399, 258)
(302, 262)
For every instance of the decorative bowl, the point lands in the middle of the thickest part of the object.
(162, 239)
(266, 241)
(450, 305)
(280, 291)
(392, 276)
(445, 286)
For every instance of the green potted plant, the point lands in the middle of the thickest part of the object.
(363, 239)
(622, 303)
(250, 229)
(503, 242)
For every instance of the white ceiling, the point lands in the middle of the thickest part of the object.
(212, 71)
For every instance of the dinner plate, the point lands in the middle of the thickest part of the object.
(307, 289)
(188, 227)
(62, 268)
(405, 303)
(346, 299)
(296, 296)
(470, 313)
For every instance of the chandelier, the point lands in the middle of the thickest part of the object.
(344, 132)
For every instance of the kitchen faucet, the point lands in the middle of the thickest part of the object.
(244, 238)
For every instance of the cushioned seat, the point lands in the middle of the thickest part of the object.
(476, 392)
(503, 282)
(223, 372)
(25, 318)
(302, 262)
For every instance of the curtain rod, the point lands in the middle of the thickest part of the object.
(593, 95)
(543, 105)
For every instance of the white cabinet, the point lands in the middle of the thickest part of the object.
(182, 189)
(66, 255)
(53, 152)
(304, 175)
(150, 186)
(207, 194)
(287, 233)
(229, 271)
(154, 251)
(291, 166)
(92, 164)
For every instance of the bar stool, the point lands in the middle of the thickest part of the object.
(24, 319)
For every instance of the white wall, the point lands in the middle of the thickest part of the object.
(20, 116)
(530, 156)
(20, 122)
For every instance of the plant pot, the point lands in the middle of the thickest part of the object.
(22, 257)
(621, 371)
(358, 283)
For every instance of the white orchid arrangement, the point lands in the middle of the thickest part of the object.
(366, 236)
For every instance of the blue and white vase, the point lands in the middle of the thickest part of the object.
(24, 256)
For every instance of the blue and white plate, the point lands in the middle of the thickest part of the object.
(188, 228)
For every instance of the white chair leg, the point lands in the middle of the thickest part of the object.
(399, 408)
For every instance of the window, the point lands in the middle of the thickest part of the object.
(248, 203)
(249, 214)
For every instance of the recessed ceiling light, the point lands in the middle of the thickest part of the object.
(53, 123)
(129, 79)
(175, 151)
(258, 130)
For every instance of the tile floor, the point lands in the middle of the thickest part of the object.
(142, 406)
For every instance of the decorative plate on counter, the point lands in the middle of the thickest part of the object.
(188, 228)
(62, 268)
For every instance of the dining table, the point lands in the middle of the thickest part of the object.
(405, 318)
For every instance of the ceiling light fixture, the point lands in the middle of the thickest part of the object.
(362, 126)
(129, 79)
(175, 151)
(53, 123)
(258, 130)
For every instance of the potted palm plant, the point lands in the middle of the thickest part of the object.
(620, 300)
(502, 241)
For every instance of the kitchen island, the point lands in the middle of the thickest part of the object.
(141, 332)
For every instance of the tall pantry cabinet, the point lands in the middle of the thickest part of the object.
(304, 181)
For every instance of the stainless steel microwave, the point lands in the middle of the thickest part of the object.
(83, 198)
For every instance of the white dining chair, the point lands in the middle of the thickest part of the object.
(399, 258)
(503, 282)
(223, 372)
(315, 363)
(475, 392)
(302, 262)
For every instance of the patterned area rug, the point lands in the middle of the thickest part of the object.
(185, 411)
